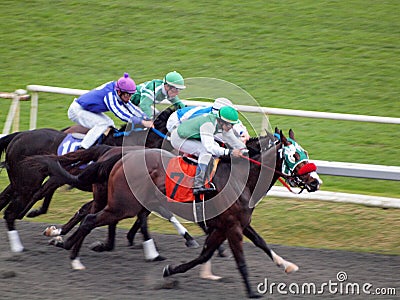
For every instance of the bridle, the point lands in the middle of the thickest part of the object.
(292, 180)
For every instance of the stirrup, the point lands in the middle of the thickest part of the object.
(203, 190)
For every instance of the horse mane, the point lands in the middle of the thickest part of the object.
(258, 144)
(159, 123)
(161, 120)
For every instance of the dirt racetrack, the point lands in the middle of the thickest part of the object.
(44, 272)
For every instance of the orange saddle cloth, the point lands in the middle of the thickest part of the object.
(179, 180)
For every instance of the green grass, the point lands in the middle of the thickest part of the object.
(331, 56)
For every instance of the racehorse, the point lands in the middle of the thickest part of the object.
(24, 182)
(138, 180)
(75, 159)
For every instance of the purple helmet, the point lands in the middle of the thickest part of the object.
(126, 84)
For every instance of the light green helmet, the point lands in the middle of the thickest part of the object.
(229, 114)
(175, 79)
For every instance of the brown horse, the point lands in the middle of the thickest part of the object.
(138, 180)
(73, 160)
(25, 182)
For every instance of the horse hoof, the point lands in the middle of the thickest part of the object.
(210, 277)
(77, 265)
(167, 271)
(170, 284)
(192, 244)
(52, 231)
(224, 254)
(291, 268)
(33, 213)
(158, 258)
(57, 241)
(99, 247)
(254, 296)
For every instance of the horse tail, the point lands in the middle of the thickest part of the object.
(84, 156)
(54, 167)
(6, 140)
(99, 171)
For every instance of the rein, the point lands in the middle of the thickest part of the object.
(275, 171)
(126, 133)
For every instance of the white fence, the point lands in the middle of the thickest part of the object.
(13, 113)
(324, 167)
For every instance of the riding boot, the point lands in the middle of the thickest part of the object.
(199, 180)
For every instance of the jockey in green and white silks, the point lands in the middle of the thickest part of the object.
(154, 91)
(196, 136)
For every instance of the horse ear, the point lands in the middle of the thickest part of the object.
(283, 139)
(269, 134)
(291, 134)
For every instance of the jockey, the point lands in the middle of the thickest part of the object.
(88, 110)
(196, 136)
(154, 91)
(189, 112)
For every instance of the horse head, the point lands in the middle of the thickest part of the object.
(296, 168)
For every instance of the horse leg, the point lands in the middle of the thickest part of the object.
(75, 241)
(42, 210)
(13, 236)
(222, 252)
(45, 205)
(56, 233)
(132, 232)
(79, 215)
(214, 239)
(6, 196)
(149, 248)
(165, 213)
(190, 241)
(109, 244)
(235, 239)
(257, 240)
(75, 260)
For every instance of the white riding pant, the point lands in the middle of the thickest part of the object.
(173, 121)
(96, 122)
(191, 146)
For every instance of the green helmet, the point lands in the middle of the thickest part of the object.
(229, 114)
(175, 79)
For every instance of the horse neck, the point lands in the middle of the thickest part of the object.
(263, 177)
(143, 137)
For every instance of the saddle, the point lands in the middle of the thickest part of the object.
(180, 176)
(73, 141)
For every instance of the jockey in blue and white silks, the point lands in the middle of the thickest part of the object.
(88, 110)
(189, 112)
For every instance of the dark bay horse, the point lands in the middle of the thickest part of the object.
(25, 182)
(138, 180)
(98, 153)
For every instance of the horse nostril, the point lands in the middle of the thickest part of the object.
(314, 185)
